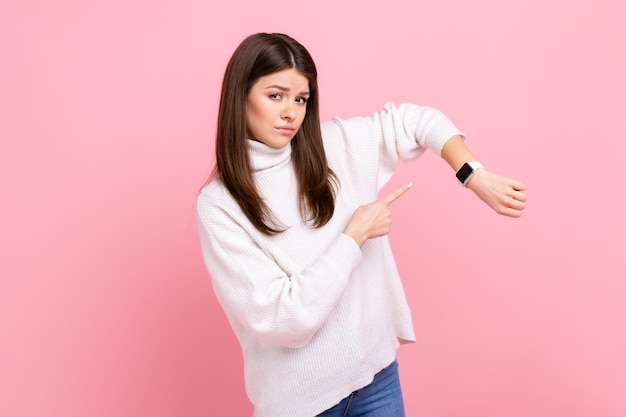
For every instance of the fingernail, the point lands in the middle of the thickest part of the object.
(409, 185)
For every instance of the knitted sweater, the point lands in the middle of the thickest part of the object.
(316, 316)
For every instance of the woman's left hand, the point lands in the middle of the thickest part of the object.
(505, 195)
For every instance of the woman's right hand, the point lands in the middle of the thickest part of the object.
(374, 219)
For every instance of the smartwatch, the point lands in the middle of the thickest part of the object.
(466, 171)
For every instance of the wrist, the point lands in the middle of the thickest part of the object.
(475, 179)
(354, 232)
(358, 238)
(467, 171)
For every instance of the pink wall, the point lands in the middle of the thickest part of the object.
(107, 117)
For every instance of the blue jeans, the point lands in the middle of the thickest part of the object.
(381, 398)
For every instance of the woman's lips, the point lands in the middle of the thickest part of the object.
(285, 130)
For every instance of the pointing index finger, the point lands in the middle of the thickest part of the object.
(395, 194)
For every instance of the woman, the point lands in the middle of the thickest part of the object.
(294, 236)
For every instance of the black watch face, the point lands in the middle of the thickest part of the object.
(464, 172)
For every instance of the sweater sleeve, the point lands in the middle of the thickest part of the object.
(256, 293)
(374, 145)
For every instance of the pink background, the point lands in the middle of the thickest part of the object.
(107, 118)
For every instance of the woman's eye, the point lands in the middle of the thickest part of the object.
(275, 96)
(301, 100)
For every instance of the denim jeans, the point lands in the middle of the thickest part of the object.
(381, 398)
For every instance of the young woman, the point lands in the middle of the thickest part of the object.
(293, 233)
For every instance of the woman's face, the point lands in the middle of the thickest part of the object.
(276, 107)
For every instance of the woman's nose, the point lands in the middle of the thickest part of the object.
(289, 113)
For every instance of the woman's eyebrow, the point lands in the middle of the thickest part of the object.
(279, 87)
(286, 89)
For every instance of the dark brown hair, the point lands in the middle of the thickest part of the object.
(259, 55)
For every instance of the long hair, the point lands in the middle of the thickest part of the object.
(259, 55)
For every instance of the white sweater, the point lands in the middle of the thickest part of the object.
(316, 316)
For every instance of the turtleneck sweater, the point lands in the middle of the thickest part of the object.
(316, 315)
